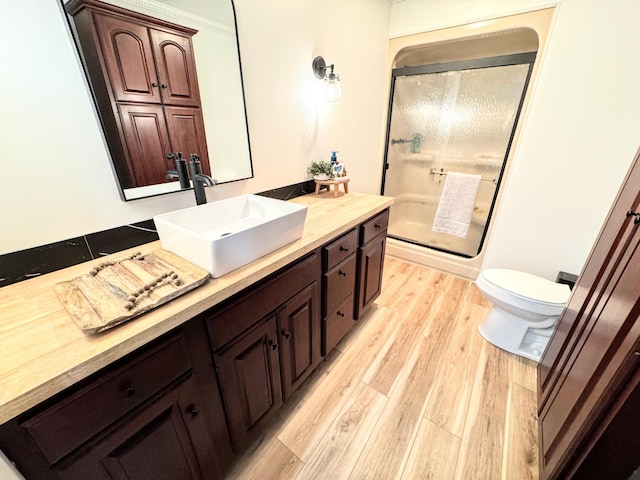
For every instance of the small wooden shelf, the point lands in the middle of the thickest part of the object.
(336, 185)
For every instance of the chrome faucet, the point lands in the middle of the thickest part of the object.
(199, 179)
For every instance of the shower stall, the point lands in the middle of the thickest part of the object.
(447, 117)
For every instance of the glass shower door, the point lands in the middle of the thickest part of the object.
(445, 118)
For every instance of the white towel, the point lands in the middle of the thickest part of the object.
(456, 204)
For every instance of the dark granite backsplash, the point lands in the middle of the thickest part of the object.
(24, 264)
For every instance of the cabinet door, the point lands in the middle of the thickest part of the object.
(147, 142)
(166, 440)
(249, 370)
(370, 265)
(176, 68)
(128, 57)
(186, 133)
(586, 371)
(299, 328)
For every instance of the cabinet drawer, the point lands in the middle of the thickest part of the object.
(69, 423)
(374, 226)
(243, 312)
(339, 249)
(339, 283)
(337, 324)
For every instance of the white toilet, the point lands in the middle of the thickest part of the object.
(525, 310)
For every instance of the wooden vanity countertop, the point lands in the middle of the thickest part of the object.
(42, 351)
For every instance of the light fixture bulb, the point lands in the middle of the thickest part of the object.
(333, 89)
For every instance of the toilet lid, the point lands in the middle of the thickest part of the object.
(528, 286)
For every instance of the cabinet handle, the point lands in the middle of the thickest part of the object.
(274, 346)
(343, 249)
(193, 411)
(341, 273)
(286, 334)
(154, 84)
(378, 226)
(340, 313)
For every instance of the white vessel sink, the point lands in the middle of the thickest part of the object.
(224, 235)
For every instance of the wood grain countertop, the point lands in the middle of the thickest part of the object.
(42, 351)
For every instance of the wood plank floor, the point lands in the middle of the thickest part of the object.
(414, 392)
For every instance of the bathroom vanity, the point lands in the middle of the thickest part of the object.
(183, 389)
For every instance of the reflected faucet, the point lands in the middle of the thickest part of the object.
(181, 170)
(200, 180)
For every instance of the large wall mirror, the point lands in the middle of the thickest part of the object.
(165, 77)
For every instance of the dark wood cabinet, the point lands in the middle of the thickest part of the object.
(183, 406)
(266, 341)
(249, 373)
(168, 439)
(144, 417)
(299, 332)
(143, 76)
(338, 286)
(373, 240)
(589, 380)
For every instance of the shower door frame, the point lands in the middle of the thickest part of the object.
(488, 62)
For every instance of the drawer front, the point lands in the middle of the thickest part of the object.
(373, 227)
(339, 249)
(245, 311)
(339, 283)
(337, 324)
(69, 423)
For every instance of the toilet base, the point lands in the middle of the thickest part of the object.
(516, 335)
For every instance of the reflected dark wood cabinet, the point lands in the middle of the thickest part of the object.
(143, 76)
(588, 377)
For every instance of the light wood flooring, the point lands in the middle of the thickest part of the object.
(414, 392)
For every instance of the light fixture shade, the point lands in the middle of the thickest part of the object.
(331, 81)
(333, 91)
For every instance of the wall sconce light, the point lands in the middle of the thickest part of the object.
(333, 90)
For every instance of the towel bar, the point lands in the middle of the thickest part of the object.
(442, 172)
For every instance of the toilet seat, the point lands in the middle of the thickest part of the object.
(526, 286)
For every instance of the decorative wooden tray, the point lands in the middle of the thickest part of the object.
(115, 292)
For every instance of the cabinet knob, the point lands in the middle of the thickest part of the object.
(164, 85)
(193, 411)
(378, 226)
(274, 346)
(343, 249)
(128, 390)
(340, 313)
(341, 273)
(286, 334)
(154, 84)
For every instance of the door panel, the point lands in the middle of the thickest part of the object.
(129, 59)
(176, 68)
(186, 133)
(250, 376)
(147, 142)
(299, 329)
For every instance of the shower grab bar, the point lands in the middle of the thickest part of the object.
(442, 172)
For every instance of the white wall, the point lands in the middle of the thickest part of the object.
(580, 133)
(56, 181)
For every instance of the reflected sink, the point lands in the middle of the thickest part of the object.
(224, 235)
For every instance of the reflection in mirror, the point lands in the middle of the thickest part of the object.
(141, 65)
